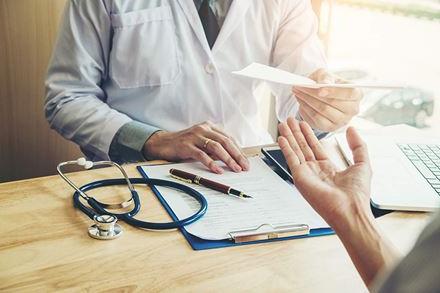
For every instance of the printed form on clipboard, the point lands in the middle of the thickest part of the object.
(276, 204)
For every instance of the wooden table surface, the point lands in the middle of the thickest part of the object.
(44, 246)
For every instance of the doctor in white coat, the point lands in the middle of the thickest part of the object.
(131, 80)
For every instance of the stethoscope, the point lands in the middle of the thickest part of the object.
(105, 226)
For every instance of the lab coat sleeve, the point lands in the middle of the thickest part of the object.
(75, 103)
(297, 49)
(128, 143)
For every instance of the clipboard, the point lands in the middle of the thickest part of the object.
(263, 233)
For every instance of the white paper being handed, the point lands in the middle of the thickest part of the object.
(272, 74)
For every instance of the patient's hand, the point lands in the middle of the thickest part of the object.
(336, 196)
(341, 198)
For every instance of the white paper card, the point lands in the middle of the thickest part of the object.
(272, 74)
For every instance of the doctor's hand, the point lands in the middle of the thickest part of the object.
(336, 196)
(203, 142)
(327, 109)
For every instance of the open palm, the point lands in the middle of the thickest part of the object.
(329, 192)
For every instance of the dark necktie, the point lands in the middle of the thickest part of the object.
(209, 22)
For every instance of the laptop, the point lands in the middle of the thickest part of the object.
(406, 170)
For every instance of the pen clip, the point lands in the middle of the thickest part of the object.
(181, 179)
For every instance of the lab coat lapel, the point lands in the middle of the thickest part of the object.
(235, 15)
(192, 15)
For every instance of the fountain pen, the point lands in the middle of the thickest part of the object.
(192, 178)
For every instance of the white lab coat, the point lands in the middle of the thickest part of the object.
(121, 60)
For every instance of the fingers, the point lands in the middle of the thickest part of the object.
(357, 146)
(290, 156)
(308, 118)
(206, 160)
(338, 94)
(330, 108)
(325, 109)
(322, 76)
(243, 161)
(216, 149)
(346, 106)
(300, 139)
(216, 145)
(318, 121)
(201, 142)
(313, 141)
(286, 132)
(338, 112)
(231, 148)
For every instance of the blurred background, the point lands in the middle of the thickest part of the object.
(386, 40)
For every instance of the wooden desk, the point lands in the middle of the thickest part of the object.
(44, 246)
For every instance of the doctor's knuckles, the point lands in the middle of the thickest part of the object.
(327, 109)
(203, 142)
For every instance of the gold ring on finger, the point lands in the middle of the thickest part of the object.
(207, 141)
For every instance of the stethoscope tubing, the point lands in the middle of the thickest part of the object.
(96, 208)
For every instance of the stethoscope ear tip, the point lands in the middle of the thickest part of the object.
(88, 165)
(83, 162)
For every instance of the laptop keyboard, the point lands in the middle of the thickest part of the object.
(426, 158)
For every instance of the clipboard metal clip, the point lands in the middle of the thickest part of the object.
(268, 231)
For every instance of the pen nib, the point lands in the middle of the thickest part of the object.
(247, 196)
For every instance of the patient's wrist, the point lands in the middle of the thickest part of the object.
(354, 224)
(365, 243)
(357, 216)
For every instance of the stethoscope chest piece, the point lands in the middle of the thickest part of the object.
(105, 228)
